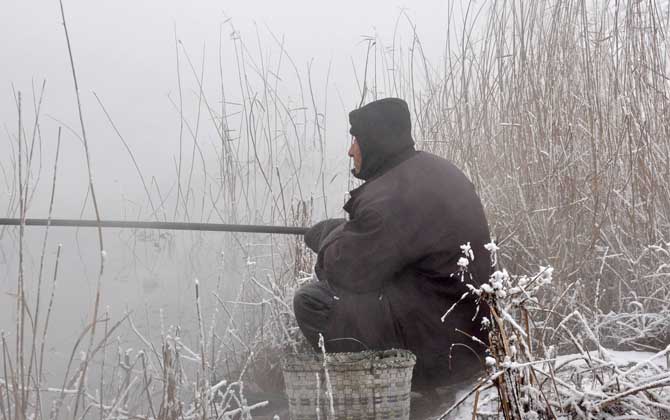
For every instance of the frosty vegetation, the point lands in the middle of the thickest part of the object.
(531, 380)
(559, 111)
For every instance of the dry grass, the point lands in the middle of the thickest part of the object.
(560, 113)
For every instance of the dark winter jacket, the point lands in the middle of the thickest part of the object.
(402, 245)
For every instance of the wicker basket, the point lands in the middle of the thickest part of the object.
(365, 385)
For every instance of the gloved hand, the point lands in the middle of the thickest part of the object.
(317, 233)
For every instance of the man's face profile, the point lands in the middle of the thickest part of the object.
(355, 153)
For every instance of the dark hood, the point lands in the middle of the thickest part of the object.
(383, 130)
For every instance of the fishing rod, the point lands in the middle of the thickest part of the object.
(204, 227)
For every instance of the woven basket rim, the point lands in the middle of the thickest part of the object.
(364, 360)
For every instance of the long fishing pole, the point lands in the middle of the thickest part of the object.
(205, 227)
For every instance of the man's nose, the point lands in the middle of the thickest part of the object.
(351, 151)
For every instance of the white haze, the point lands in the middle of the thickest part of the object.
(125, 52)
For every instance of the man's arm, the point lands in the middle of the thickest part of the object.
(316, 235)
(361, 255)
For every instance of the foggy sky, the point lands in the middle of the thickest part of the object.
(125, 52)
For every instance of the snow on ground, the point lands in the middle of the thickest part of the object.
(573, 368)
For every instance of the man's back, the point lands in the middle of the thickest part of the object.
(432, 209)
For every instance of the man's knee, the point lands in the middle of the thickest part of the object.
(310, 300)
(312, 304)
(300, 303)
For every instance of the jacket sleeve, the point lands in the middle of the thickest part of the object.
(316, 235)
(360, 256)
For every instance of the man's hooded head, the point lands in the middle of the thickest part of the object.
(383, 131)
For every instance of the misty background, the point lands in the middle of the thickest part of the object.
(152, 75)
(557, 110)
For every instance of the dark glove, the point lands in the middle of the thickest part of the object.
(317, 233)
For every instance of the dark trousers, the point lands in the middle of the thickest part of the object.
(348, 322)
(356, 322)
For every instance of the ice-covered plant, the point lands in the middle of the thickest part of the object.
(531, 381)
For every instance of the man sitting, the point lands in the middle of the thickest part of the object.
(389, 274)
